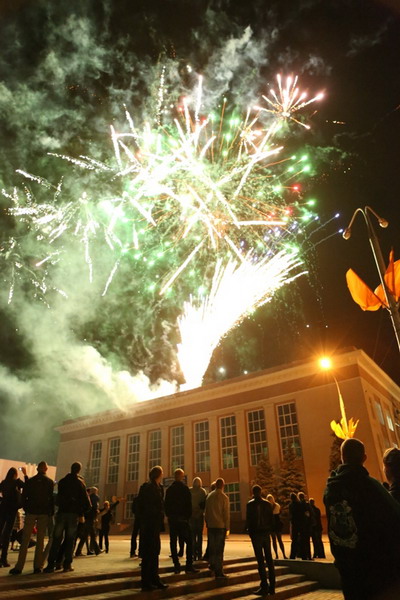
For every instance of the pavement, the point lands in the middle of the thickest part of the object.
(237, 546)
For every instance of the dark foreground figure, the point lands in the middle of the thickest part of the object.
(150, 510)
(259, 524)
(363, 529)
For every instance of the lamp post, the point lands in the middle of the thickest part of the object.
(380, 263)
(346, 428)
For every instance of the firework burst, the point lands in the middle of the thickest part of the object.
(195, 202)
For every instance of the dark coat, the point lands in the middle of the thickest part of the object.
(394, 490)
(38, 495)
(363, 529)
(72, 496)
(259, 516)
(11, 497)
(178, 501)
(106, 519)
(150, 506)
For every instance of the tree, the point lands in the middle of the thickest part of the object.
(334, 457)
(290, 478)
(265, 476)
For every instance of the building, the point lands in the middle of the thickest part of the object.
(221, 429)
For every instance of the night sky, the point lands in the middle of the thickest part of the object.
(67, 69)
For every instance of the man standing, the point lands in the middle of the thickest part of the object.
(89, 532)
(217, 518)
(259, 524)
(178, 508)
(38, 504)
(316, 531)
(150, 508)
(73, 502)
(198, 496)
(363, 529)
(135, 529)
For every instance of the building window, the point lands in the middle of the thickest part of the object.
(229, 442)
(128, 514)
(257, 435)
(154, 448)
(133, 457)
(289, 428)
(202, 446)
(233, 493)
(93, 477)
(389, 422)
(177, 448)
(379, 412)
(113, 460)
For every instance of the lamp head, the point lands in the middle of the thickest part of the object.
(383, 223)
(325, 363)
(347, 233)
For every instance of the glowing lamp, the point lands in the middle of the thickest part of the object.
(325, 362)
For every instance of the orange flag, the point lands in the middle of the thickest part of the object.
(365, 297)
(361, 293)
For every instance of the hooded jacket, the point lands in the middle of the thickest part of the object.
(363, 529)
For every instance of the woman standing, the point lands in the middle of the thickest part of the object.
(10, 489)
(105, 518)
(391, 467)
(276, 533)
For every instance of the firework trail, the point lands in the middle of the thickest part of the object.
(235, 289)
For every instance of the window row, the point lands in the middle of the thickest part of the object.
(257, 442)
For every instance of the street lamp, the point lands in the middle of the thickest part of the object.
(380, 263)
(345, 429)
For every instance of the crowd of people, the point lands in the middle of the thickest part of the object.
(75, 523)
(363, 518)
(188, 508)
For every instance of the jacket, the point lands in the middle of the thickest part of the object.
(217, 512)
(363, 529)
(259, 516)
(198, 496)
(38, 496)
(11, 494)
(107, 516)
(150, 507)
(178, 501)
(72, 496)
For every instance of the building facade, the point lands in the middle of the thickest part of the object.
(223, 428)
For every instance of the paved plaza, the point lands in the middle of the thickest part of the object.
(118, 560)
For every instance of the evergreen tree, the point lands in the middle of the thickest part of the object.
(266, 476)
(290, 479)
(334, 457)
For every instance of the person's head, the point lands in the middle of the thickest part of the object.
(12, 473)
(219, 483)
(212, 486)
(179, 474)
(353, 452)
(270, 498)
(293, 497)
(76, 468)
(94, 490)
(312, 501)
(391, 464)
(42, 467)
(301, 496)
(256, 489)
(156, 474)
(197, 482)
(106, 504)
